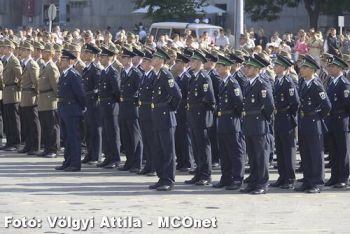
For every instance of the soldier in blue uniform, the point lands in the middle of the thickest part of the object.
(145, 112)
(236, 70)
(130, 132)
(200, 104)
(137, 60)
(166, 97)
(183, 148)
(338, 123)
(229, 111)
(109, 97)
(91, 75)
(286, 103)
(209, 66)
(258, 109)
(314, 107)
(71, 104)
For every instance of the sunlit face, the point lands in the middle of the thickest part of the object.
(334, 70)
(279, 69)
(251, 71)
(306, 72)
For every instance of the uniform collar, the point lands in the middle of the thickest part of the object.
(251, 81)
(148, 72)
(336, 79)
(127, 70)
(66, 70)
(26, 61)
(227, 77)
(106, 68)
(308, 82)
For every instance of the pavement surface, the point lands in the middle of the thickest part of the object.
(34, 198)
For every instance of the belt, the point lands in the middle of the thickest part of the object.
(12, 84)
(310, 113)
(123, 99)
(66, 101)
(158, 105)
(244, 113)
(141, 103)
(190, 106)
(91, 92)
(45, 91)
(28, 89)
(338, 112)
(282, 109)
(221, 113)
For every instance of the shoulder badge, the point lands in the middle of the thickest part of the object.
(263, 93)
(237, 92)
(291, 92)
(322, 95)
(346, 93)
(171, 83)
(205, 87)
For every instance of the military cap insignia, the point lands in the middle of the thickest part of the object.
(263, 93)
(291, 92)
(322, 95)
(346, 93)
(171, 83)
(205, 87)
(236, 92)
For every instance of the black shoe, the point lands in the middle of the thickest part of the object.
(124, 168)
(60, 168)
(302, 188)
(301, 180)
(247, 189)
(72, 169)
(192, 171)
(111, 165)
(184, 169)
(102, 164)
(151, 173)
(258, 191)
(300, 169)
(203, 182)
(135, 170)
(328, 165)
(85, 160)
(247, 180)
(327, 158)
(233, 187)
(165, 188)
(330, 182)
(155, 186)
(276, 184)
(215, 165)
(33, 152)
(143, 172)
(287, 186)
(313, 190)
(23, 151)
(93, 162)
(50, 155)
(11, 148)
(340, 185)
(220, 185)
(192, 181)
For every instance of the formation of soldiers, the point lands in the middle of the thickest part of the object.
(185, 110)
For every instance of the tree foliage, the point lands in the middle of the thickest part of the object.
(171, 10)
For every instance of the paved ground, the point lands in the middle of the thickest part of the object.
(29, 187)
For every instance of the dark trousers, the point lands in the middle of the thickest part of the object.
(339, 149)
(110, 136)
(232, 157)
(215, 156)
(147, 139)
(258, 150)
(183, 147)
(50, 130)
(131, 139)
(31, 127)
(12, 124)
(93, 131)
(311, 153)
(202, 152)
(164, 155)
(286, 153)
(71, 134)
(1, 121)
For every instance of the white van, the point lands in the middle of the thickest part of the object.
(169, 28)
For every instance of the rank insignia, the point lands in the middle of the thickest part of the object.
(291, 92)
(322, 95)
(236, 92)
(205, 87)
(171, 83)
(263, 93)
(346, 93)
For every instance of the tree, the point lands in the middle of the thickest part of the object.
(174, 10)
(270, 9)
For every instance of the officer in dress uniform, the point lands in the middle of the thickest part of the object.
(286, 106)
(29, 86)
(91, 76)
(130, 132)
(1, 104)
(314, 107)
(47, 104)
(338, 123)
(209, 66)
(183, 148)
(230, 138)
(258, 108)
(137, 60)
(37, 54)
(166, 97)
(79, 65)
(200, 107)
(71, 104)
(236, 70)
(109, 98)
(11, 96)
(145, 112)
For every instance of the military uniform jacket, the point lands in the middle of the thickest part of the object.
(91, 76)
(216, 81)
(129, 85)
(182, 81)
(109, 89)
(339, 95)
(314, 107)
(29, 83)
(200, 101)
(11, 80)
(1, 78)
(71, 95)
(287, 102)
(258, 107)
(230, 106)
(47, 85)
(145, 96)
(41, 63)
(166, 96)
(79, 66)
(117, 65)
